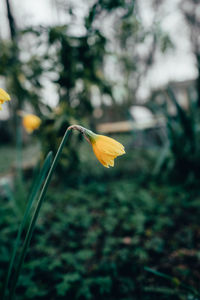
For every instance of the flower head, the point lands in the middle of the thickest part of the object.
(3, 97)
(31, 122)
(105, 148)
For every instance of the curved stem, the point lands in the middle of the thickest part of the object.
(36, 213)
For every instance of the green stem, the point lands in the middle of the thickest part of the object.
(19, 150)
(36, 187)
(36, 213)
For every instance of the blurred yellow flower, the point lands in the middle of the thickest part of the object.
(31, 122)
(105, 148)
(3, 97)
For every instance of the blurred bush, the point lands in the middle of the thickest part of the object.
(181, 162)
(94, 241)
(51, 133)
(78, 67)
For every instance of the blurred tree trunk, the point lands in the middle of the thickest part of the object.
(12, 25)
(198, 78)
(192, 17)
(14, 84)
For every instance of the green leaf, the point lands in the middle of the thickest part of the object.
(36, 187)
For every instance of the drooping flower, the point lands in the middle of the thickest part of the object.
(31, 122)
(3, 97)
(105, 148)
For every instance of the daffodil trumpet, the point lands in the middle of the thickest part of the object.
(3, 97)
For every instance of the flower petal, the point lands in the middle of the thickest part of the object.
(109, 145)
(105, 159)
(3, 95)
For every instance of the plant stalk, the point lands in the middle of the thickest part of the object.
(36, 213)
(34, 192)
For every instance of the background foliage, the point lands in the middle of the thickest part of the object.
(95, 240)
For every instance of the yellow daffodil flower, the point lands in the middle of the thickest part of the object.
(105, 148)
(31, 122)
(3, 97)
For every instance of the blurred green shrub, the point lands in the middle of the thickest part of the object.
(78, 63)
(181, 162)
(93, 241)
(51, 133)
